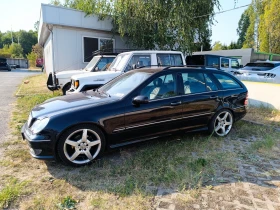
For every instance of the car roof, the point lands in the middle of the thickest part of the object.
(158, 69)
(153, 51)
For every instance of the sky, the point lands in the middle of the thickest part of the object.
(22, 14)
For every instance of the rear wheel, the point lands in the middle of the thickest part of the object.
(66, 87)
(221, 123)
(81, 145)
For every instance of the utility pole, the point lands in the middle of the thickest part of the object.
(12, 34)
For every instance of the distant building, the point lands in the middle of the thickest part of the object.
(243, 55)
(69, 37)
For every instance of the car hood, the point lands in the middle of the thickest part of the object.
(69, 73)
(101, 74)
(62, 104)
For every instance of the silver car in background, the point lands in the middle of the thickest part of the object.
(261, 71)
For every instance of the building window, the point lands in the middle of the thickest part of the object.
(90, 45)
(106, 44)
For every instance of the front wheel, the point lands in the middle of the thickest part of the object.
(81, 145)
(221, 123)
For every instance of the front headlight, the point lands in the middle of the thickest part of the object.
(39, 125)
(76, 84)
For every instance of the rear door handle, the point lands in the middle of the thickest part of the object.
(176, 103)
(213, 96)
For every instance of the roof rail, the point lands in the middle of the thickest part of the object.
(110, 51)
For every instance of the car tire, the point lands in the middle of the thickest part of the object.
(221, 123)
(66, 87)
(81, 145)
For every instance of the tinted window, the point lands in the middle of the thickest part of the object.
(195, 60)
(138, 61)
(169, 60)
(210, 85)
(225, 63)
(212, 61)
(193, 83)
(235, 64)
(161, 87)
(227, 82)
(90, 45)
(260, 66)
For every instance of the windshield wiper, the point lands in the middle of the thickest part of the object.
(103, 92)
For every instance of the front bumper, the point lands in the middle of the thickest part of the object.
(40, 146)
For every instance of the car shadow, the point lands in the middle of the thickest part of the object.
(122, 171)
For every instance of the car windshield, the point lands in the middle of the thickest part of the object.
(125, 83)
(260, 66)
(120, 62)
(92, 63)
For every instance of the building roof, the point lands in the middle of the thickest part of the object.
(51, 15)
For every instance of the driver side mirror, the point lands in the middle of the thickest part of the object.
(140, 100)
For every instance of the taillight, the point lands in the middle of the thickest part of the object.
(246, 101)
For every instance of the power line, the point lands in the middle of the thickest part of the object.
(222, 11)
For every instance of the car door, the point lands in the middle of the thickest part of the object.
(201, 97)
(160, 115)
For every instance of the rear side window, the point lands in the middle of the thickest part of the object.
(193, 83)
(212, 61)
(225, 63)
(169, 60)
(210, 85)
(227, 82)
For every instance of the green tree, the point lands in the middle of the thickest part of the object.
(16, 50)
(243, 25)
(219, 46)
(27, 39)
(170, 24)
(233, 45)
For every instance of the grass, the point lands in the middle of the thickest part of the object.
(264, 115)
(34, 85)
(125, 178)
(11, 192)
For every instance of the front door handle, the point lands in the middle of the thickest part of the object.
(176, 103)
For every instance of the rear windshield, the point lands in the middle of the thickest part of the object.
(260, 66)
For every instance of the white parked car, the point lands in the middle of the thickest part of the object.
(62, 80)
(261, 71)
(125, 62)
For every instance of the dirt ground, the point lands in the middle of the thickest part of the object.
(253, 184)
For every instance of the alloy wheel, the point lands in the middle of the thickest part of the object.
(223, 123)
(82, 146)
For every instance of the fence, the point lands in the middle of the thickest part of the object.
(23, 63)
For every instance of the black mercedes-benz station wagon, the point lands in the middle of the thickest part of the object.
(137, 106)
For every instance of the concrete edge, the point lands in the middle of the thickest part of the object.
(257, 123)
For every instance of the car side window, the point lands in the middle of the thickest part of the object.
(225, 63)
(227, 82)
(163, 86)
(138, 61)
(193, 83)
(169, 60)
(235, 64)
(210, 85)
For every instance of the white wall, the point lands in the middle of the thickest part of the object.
(68, 46)
(48, 50)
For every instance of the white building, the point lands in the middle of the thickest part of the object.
(69, 37)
